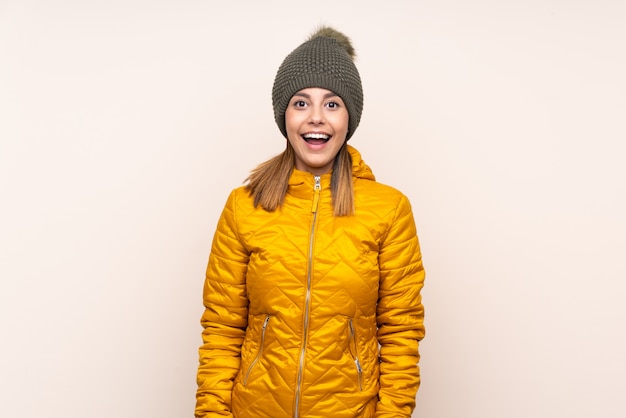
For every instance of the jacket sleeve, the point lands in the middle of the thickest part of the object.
(400, 315)
(224, 319)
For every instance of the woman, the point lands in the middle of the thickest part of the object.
(312, 292)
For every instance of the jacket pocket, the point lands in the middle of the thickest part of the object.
(355, 355)
(259, 353)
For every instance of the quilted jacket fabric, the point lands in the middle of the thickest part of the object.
(312, 315)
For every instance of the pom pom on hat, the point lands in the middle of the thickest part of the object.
(342, 40)
(325, 60)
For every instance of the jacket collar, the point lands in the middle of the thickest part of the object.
(302, 183)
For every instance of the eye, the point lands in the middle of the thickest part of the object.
(333, 105)
(299, 103)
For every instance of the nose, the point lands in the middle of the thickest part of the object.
(316, 116)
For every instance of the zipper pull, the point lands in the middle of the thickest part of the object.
(316, 195)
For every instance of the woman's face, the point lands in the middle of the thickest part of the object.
(317, 124)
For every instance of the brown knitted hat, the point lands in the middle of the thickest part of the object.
(325, 60)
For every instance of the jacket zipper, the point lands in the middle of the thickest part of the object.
(357, 363)
(307, 301)
(258, 355)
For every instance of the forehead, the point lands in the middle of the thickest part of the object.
(315, 92)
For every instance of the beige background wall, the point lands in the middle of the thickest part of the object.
(124, 124)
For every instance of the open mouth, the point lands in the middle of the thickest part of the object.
(316, 138)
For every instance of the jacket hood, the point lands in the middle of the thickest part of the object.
(359, 168)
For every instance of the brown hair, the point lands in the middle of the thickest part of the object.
(269, 181)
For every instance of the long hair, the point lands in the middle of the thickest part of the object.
(269, 181)
(341, 183)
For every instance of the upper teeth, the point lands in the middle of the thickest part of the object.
(316, 136)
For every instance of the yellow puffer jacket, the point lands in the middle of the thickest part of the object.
(298, 302)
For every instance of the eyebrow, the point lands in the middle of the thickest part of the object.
(308, 96)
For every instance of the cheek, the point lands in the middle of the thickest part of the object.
(342, 122)
(292, 120)
(292, 127)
